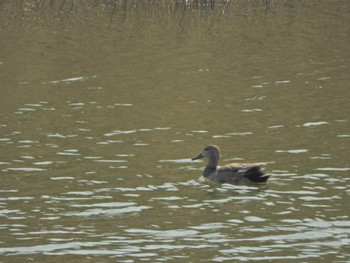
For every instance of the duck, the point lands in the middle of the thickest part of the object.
(230, 173)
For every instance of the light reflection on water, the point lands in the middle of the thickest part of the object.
(179, 217)
(92, 210)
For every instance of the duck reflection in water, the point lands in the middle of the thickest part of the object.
(230, 173)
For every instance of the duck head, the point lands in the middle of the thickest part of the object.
(210, 152)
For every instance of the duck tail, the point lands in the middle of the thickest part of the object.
(255, 174)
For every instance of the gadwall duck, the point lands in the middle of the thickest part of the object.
(230, 173)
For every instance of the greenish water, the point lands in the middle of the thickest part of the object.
(103, 106)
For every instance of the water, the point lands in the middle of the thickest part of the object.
(102, 110)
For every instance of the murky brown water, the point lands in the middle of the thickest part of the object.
(102, 106)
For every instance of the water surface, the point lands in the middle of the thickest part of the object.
(103, 106)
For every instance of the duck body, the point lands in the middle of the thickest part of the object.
(230, 173)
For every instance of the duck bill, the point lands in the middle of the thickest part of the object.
(199, 156)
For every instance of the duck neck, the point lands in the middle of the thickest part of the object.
(210, 168)
(212, 162)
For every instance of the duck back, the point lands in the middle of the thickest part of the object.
(238, 175)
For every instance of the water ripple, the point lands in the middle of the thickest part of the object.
(108, 212)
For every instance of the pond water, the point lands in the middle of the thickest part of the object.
(102, 106)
